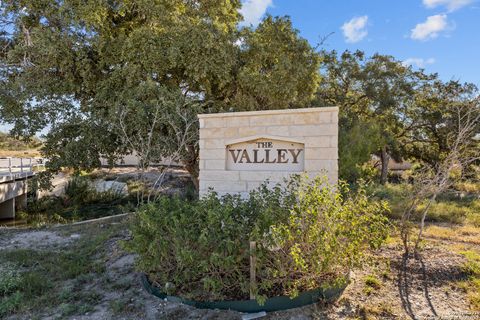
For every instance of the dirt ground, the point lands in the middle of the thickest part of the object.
(432, 287)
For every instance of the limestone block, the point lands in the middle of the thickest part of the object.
(278, 131)
(318, 142)
(334, 141)
(312, 118)
(214, 143)
(251, 131)
(219, 175)
(209, 133)
(224, 186)
(215, 122)
(201, 164)
(318, 165)
(214, 164)
(271, 120)
(321, 154)
(314, 130)
(237, 122)
(215, 154)
(262, 176)
(334, 116)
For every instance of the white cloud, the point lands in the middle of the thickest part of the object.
(253, 11)
(355, 29)
(451, 5)
(431, 28)
(418, 62)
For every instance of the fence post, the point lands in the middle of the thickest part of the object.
(10, 166)
(21, 165)
(253, 269)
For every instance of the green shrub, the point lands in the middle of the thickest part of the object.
(9, 280)
(468, 186)
(449, 207)
(327, 231)
(446, 212)
(81, 201)
(307, 232)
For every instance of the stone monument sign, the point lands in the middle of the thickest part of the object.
(240, 150)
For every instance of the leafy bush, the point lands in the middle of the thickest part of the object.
(447, 212)
(469, 187)
(449, 207)
(81, 201)
(307, 232)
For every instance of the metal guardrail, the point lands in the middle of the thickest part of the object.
(12, 166)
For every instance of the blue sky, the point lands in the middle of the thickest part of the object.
(442, 36)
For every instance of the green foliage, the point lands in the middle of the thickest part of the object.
(449, 207)
(372, 284)
(435, 119)
(308, 233)
(387, 106)
(356, 145)
(268, 77)
(372, 281)
(200, 248)
(80, 202)
(373, 94)
(327, 231)
(9, 280)
(447, 212)
(33, 280)
(78, 66)
(472, 286)
(472, 267)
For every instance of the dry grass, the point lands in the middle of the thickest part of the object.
(466, 233)
(30, 153)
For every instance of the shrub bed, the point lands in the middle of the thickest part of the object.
(308, 233)
(81, 201)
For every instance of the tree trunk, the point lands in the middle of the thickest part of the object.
(385, 158)
(196, 182)
(191, 165)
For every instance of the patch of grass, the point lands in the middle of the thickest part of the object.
(11, 303)
(439, 232)
(472, 286)
(69, 309)
(465, 233)
(452, 212)
(469, 187)
(372, 284)
(380, 311)
(36, 280)
(450, 207)
(395, 194)
(124, 305)
(472, 267)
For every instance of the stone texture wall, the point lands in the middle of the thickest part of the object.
(316, 128)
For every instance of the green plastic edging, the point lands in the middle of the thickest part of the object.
(250, 306)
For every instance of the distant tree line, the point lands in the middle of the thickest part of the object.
(112, 78)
